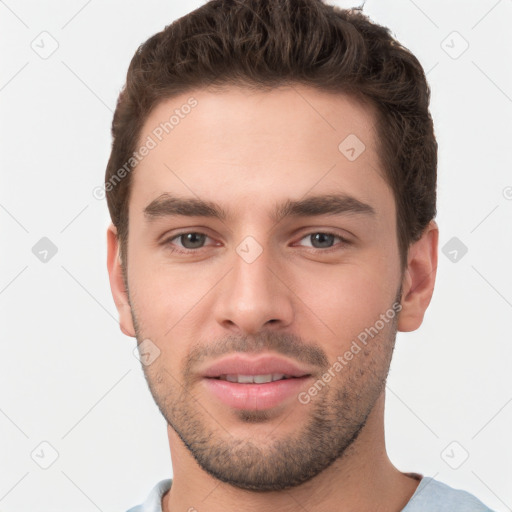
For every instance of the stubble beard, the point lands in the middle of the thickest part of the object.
(336, 416)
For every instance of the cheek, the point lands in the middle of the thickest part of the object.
(347, 299)
(165, 297)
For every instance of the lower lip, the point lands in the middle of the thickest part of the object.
(256, 397)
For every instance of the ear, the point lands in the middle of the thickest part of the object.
(419, 278)
(117, 287)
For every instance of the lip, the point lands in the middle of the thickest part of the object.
(255, 396)
(262, 365)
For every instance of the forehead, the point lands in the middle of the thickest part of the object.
(239, 145)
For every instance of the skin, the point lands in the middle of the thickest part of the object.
(303, 297)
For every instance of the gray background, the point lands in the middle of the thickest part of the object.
(68, 376)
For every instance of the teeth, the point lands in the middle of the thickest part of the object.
(261, 379)
(245, 379)
(254, 379)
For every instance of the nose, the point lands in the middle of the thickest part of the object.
(254, 295)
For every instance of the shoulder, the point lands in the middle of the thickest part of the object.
(431, 493)
(153, 502)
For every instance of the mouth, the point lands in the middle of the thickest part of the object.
(264, 368)
(255, 391)
(257, 379)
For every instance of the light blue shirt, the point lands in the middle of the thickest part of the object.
(430, 496)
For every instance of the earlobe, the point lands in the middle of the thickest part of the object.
(115, 273)
(419, 279)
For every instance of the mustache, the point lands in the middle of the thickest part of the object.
(286, 344)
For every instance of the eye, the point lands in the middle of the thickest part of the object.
(189, 241)
(323, 240)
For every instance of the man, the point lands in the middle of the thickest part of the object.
(272, 193)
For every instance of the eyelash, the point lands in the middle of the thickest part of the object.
(168, 241)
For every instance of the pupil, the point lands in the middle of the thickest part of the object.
(192, 240)
(324, 239)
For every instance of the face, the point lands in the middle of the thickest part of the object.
(262, 238)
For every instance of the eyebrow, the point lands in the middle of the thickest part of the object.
(168, 205)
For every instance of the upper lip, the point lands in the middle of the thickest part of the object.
(262, 365)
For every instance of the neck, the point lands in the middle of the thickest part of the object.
(363, 478)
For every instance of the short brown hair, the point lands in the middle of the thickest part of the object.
(268, 43)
